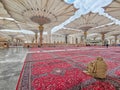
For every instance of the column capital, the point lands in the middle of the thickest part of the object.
(104, 32)
(116, 35)
(41, 28)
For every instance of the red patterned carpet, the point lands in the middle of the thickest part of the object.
(45, 69)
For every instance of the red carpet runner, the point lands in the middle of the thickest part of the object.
(64, 70)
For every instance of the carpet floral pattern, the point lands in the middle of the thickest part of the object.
(99, 85)
(63, 70)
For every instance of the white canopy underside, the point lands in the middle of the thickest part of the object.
(28, 14)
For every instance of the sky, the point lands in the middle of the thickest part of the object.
(86, 6)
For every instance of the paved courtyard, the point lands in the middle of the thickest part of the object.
(11, 62)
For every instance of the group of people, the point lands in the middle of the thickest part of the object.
(97, 68)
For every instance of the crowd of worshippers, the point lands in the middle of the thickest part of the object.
(97, 68)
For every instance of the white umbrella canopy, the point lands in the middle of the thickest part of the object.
(4, 37)
(95, 20)
(50, 13)
(16, 32)
(39, 12)
(28, 26)
(88, 22)
(113, 33)
(104, 29)
(107, 31)
(67, 32)
(24, 35)
(3, 12)
(10, 28)
(8, 24)
(10, 32)
(34, 27)
(110, 37)
(114, 9)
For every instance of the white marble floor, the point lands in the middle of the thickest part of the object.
(11, 62)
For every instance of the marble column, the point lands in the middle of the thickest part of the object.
(110, 41)
(36, 37)
(115, 35)
(76, 40)
(72, 39)
(41, 28)
(94, 38)
(12, 39)
(66, 38)
(115, 40)
(103, 38)
(85, 34)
